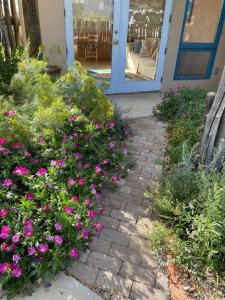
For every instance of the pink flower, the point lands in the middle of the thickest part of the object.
(9, 113)
(2, 140)
(71, 182)
(16, 238)
(3, 213)
(26, 153)
(20, 170)
(50, 238)
(91, 214)
(85, 234)
(106, 161)
(75, 199)
(87, 202)
(31, 251)
(80, 181)
(28, 232)
(16, 258)
(46, 208)
(77, 155)
(4, 232)
(42, 248)
(41, 172)
(87, 165)
(58, 240)
(98, 227)
(53, 163)
(73, 118)
(17, 272)
(74, 253)
(28, 224)
(112, 145)
(58, 226)
(7, 182)
(60, 163)
(17, 146)
(76, 145)
(3, 268)
(98, 126)
(98, 169)
(78, 226)
(68, 210)
(29, 196)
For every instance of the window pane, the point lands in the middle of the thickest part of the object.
(193, 63)
(93, 22)
(144, 36)
(202, 21)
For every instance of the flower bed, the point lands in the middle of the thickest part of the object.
(51, 178)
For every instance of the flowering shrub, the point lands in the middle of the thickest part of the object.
(50, 190)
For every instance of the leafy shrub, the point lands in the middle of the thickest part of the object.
(8, 67)
(55, 158)
(183, 110)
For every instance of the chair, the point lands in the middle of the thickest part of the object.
(91, 50)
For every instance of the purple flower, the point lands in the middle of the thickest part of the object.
(17, 272)
(58, 226)
(20, 170)
(42, 248)
(74, 253)
(3, 213)
(80, 181)
(3, 268)
(31, 251)
(85, 234)
(7, 182)
(16, 238)
(16, 258)
(71, 182)
(91, 214)
(29, 196)
(112, 145)
(50, 238)
(58, 240)
(41, 172)
(68, 210)
(98, 169)
(9, 113)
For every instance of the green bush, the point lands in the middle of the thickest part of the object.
(183, 110)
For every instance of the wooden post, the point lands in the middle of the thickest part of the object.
(32, 25)
(9, 24)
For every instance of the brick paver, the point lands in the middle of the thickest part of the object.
(120, 264)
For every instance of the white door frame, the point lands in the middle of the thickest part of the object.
(118, 82)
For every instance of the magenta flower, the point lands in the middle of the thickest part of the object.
(3, 213)
(20, 170)
(17, 272)
(91, 214)
(75, 145)
(7, 182)
(73, 118)
(80, 181)
(58, 240)
(43, 248)
(98, 227)
(9, 113)
(98, 169)
(29, 196)
(2, 140)
(60, 163)
(41, 172)
(58, 226)
(71, 182)
(74, 253)
(26, 153)
(98, 126)
(75, 199)
(77, 155)
(16, 258)
(85, 234)
(4, 232)
(16, 238)
(31, 251)
(3, 268)
(87, 202)
(28, 232)
(68, 210)
(106, 161)
(78, 226)
(28, 224)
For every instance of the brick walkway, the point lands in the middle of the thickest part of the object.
(119, 264)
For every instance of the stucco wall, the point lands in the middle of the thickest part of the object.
(172, 51)
(51, 14)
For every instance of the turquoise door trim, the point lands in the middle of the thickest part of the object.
(118, 83)
(209, 47)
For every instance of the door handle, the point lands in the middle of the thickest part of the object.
(115, 42)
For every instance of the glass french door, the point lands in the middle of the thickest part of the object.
(120, 42)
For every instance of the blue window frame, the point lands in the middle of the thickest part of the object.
(200, 54)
